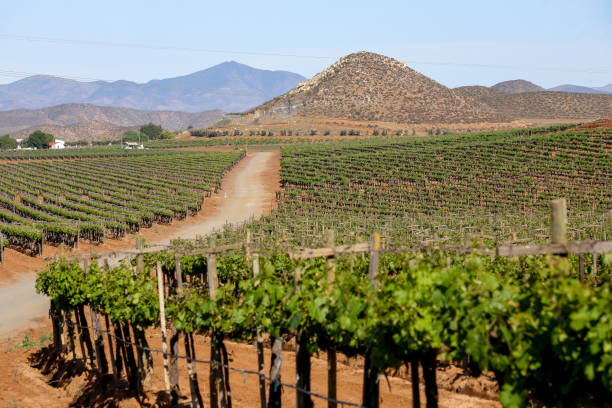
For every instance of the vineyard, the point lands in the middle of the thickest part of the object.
(461, 274)
(224, 141)
(64, 201)
(75, 153)
(490, 186)
(533, 322)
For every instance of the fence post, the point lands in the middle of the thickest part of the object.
(211, 277)
(371, 388)
(174, 337)
(331, 353)
(109, 338)
(196, 397)
(260, 347)
(100, 355)
(140, 258)
(162, 319)
(374, 259)
(83, 331)
(247, 246)
(1, 248)
(558, 224)
(57, 321)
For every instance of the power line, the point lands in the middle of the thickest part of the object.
(288, 55)
(21, 74)
(154, 47)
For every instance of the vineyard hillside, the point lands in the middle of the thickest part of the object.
(496, 185)
(368, 86)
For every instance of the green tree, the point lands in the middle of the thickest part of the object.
(134, 136)
(166, 134)
(39, 140)
(7, 142)
(154, 132)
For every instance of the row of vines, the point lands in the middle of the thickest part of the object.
(63, 201)
(546, 337)
(488, 186)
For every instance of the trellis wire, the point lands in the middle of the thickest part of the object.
(240, 370)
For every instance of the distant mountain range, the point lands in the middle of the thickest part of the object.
(230, 87)
(360, 86)
(583, 89)
(84, 121)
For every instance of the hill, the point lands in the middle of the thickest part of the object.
(230, 86)
(14, 121)
(517, 86)
(542, 105)
(368, 86)
(80, 131)
(577, 89)
(477, 92)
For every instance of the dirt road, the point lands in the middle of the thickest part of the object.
(19, 304)
(247, 191)
(244, 195)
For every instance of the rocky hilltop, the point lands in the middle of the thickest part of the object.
(368, 86)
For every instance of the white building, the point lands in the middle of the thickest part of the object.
(132, 146)
(58, 144)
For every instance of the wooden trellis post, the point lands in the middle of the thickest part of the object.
(371, 388)
(162, 319)
(211, 276)
(174, 337)
(196, 397)
(558, 224)
(331, 353)
(260, 347)
(109, 337)
(1, 248)
(57, 321)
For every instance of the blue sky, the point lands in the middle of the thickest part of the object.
(549, 42)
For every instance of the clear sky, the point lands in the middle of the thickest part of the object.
(549, 42)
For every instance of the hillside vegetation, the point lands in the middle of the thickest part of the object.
(371, 87)
(367, 86)
(541, 104)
